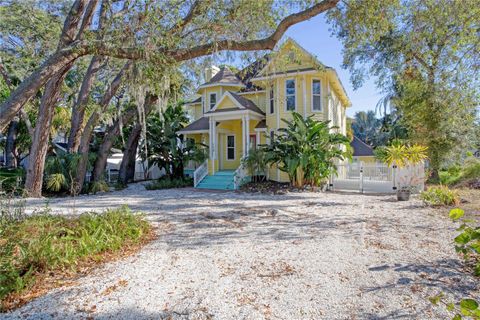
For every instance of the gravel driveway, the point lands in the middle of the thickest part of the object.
(241, 256)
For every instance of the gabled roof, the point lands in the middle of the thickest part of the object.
(224, 76)
(194, 101)
(200, 125)
(240, 103)
(262, 124)
(360, 148)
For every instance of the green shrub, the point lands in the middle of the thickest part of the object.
(10, 178)
(45, 243)
(167, 183)
(451, 175)
(99, 186)
(440, 196)
(471, 169)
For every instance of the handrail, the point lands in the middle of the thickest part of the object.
(239, 175)
(200, 173)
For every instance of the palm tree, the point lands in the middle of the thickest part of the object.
(366, 126)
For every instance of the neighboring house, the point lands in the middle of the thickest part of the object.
(238, 111)
(362, 152)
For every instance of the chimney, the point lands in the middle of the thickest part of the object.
(210, 72)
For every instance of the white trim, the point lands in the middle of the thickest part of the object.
(221, 84)
(250, 92)
(304, 84)
(209, 98)
(231, 115)
(204, 101)
(247, 134)
(269, 106)
(285, 74)
(260, 130)
(192, 131)
(277, 99)
(311, 96)
(295, 95)
(192, 103)
(257, 139)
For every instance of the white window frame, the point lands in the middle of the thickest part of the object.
(287, 95)
(271, 99)
(234, 147)
(210, 107)
(316, 94)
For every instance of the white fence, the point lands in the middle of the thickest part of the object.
(376, 178)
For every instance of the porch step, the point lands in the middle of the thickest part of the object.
(221, 180)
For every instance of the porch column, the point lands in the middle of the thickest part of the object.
(244, 151)
(247, 134)
(211, 136)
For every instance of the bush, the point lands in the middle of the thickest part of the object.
(167, 183)
(440, 196)
(40, 244)
(471, 169)
(99, 186)
(10, 178)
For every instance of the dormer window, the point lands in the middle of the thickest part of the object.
(290, 94)
(213, 100)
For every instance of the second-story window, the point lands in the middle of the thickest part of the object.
(290, 94)
(213, 100)
(316, 95)
(272, 100)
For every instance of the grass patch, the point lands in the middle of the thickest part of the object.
(33, 248)
(440, 196)
(167, 183)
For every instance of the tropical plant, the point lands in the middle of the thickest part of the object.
(467, 243)
(166, 148)
(401, 154)
(366, 127)
(255, 163)
(306, 150)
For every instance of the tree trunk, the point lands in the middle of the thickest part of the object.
(78, 111)
(10, 144)
(88, 131)
(127, 167)
(40, 139)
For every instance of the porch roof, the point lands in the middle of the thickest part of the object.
(200, 125)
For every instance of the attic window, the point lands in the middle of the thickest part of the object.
(316, 95)
(213, 100)
(291, 56)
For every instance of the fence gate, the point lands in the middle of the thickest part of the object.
(375, 178)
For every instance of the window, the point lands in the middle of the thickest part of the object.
(272, 100)
(213, 100)
(230, 147)
(290, 94)
(272, 136)
(316, 95)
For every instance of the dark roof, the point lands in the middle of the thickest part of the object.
(262, 124)
(224, 75)
(197, 125)
(360, 148)
(198, 100)
(244, 102)
(251, 71)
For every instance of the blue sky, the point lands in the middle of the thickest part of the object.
(315, 37)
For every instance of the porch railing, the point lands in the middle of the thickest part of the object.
(200, 173)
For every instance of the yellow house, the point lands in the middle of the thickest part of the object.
(235, 112)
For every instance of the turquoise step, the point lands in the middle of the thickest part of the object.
(222, 180)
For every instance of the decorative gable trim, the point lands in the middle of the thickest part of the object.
(229, 95)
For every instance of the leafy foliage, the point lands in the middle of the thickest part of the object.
(401, 154)
(306, 150)
(440, 196)
(425, 56)
(467, 243)
(256, 163)
(34, 245)
(168, 149)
